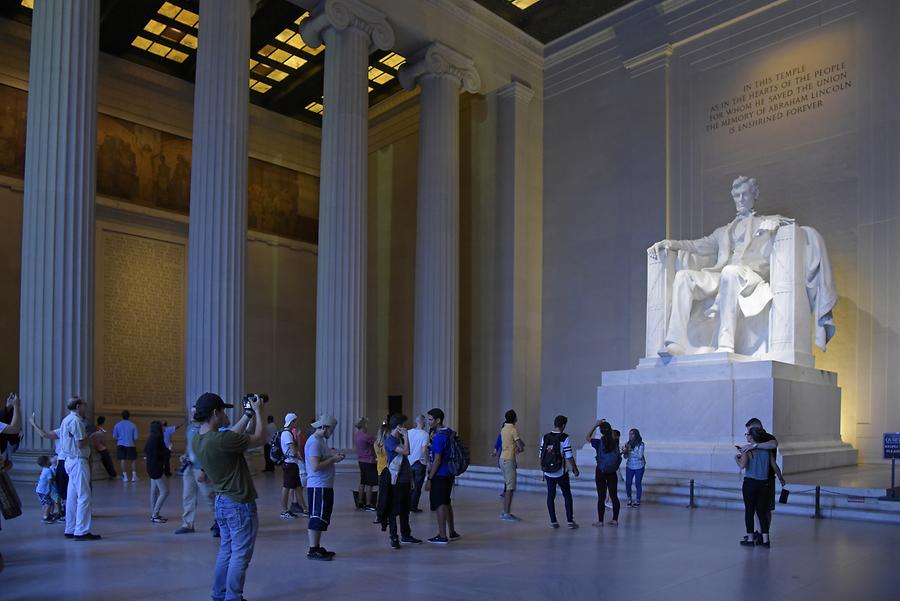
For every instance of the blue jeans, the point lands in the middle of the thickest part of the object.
(238, 524)
(638, 475)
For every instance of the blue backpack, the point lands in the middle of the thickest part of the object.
(457, 454)
(608, 462)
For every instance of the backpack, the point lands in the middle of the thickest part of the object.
(275, 452)
(552, 459)
(608, 462)
(457, 454)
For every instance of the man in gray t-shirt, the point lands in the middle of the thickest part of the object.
(320, 461)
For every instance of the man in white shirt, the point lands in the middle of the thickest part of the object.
(418, 460)
(75, 444)
(556, 457)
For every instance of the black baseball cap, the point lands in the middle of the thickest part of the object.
(209, 402)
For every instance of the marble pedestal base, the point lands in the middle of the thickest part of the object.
(691, 411)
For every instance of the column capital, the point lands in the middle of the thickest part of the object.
(437, 59)
(347, 14)
(517, 91)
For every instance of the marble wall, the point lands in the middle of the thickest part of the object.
(674, 100)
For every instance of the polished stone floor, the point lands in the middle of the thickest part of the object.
(657, 552)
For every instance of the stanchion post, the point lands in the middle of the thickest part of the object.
(691, 504)
(818, 514)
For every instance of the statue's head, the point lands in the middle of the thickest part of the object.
(744, 191)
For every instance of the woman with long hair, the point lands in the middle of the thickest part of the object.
(755, 462)
(156, 454)
(608, 460)
(635, 462)
(383, 503)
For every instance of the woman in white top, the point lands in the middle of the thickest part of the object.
(633, 451)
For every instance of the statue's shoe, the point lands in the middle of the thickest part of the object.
(725, 349)
(672, 349)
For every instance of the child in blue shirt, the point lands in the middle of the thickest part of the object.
(44, 490)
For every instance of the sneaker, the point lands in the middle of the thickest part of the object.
(88, 536)
(455, 535)
(158, 519)
(554, 524)
(609, 505)
(395, 543)
(327, 552)
(438, 540)
(216, 533)
(287, 515)
(124, 477)
(134, 477)
(628, 503)
(69, 535)
(636, 504)
(48, 520)
(410, 540)
(508, 517)
(318, 555)
(572, 526)
(184, 530)
(370, 508)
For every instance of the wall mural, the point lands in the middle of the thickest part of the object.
(152, 168)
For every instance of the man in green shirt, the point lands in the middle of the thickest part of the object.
(221, 453)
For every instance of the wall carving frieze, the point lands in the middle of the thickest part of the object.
(347, 14)
(437, 59)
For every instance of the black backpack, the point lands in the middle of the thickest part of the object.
(275, 452)
(457, 454)
(552, 459)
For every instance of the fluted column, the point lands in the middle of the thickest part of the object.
(56, 319)
(441, 73)
(217, 236)
(349, 30)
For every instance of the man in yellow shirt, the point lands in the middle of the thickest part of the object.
(510, 446)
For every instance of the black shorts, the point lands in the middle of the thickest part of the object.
(126, 453)
(770, 494)
(321, 502)
(368, 474)
(441, 487)
(291, 475)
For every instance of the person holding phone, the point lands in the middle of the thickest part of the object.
(221, 453)
(396, 444)
(320, 462)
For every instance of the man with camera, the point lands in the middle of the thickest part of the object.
(320, 462)
(221, 453)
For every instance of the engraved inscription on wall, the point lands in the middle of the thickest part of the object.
(143, 322)
(779, 95)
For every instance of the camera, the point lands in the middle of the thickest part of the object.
(248, 399)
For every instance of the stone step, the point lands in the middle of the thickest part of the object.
(720, 491)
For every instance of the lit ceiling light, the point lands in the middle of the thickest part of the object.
(315, 107)
(522, 4)
(393, 60)
(167, 34)
(28, 4)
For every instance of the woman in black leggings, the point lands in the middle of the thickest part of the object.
(755, 490)
(606, 478)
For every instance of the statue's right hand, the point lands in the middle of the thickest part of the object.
(662, 245)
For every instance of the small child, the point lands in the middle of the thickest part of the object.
(43, 490)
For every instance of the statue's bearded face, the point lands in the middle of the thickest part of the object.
(744, 197)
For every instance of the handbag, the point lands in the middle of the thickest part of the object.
(10, 504)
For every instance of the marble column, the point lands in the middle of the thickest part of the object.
(441, 74)
(217, 237)
(56, 319)
(350, 30)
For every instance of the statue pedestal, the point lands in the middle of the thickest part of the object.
(691, 411)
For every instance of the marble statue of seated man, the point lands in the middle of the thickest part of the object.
(738, 281)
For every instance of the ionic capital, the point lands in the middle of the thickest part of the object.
(347, 14)
(437, 59)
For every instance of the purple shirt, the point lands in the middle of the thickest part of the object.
(364, 443)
